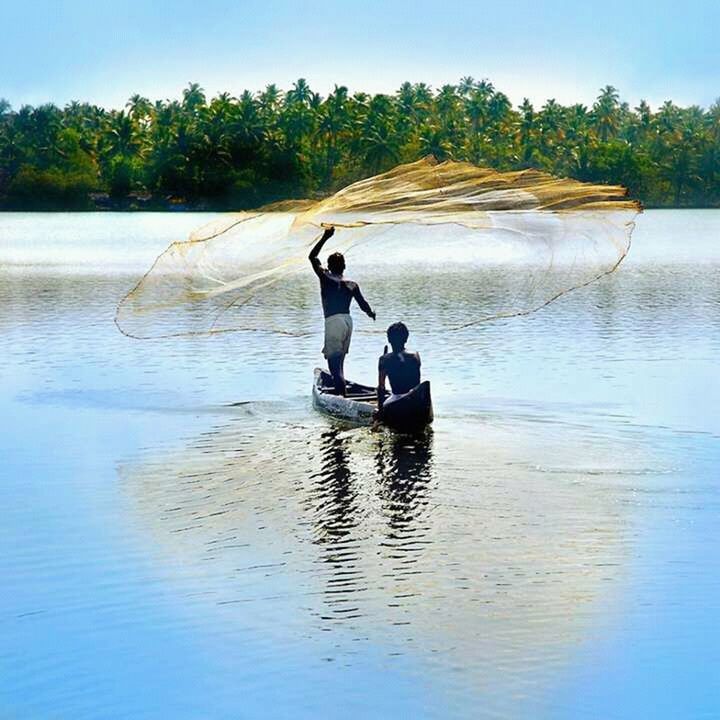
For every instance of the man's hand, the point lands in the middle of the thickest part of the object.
(372, 315)
(313, 256)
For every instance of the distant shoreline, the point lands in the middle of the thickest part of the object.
(188, 207)
(239, 152)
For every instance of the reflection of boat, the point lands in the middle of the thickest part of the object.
(409, 412)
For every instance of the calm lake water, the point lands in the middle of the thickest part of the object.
(550, 550)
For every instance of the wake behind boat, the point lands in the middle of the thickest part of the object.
(408, 413)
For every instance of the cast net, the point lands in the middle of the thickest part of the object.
(448, 244)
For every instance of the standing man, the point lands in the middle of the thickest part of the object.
(336, 294)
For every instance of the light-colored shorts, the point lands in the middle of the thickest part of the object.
(338, 331)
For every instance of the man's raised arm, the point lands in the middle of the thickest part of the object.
(313, 256)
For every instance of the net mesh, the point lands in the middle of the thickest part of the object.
(510, 242)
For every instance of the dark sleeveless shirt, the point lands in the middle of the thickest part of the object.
(337, 293)
(403, 372)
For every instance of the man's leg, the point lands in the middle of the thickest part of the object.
(336, 363)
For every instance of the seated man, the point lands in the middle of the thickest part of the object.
(401, 367)
(336, 294)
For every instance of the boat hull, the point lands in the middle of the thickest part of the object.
(357, 407)
(408, 413)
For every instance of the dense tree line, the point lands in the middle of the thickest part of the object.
(232, 152)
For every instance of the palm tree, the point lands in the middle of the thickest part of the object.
(550, 124)
(434, 141)
(605, 112)
(407, 105)
(466, 85)
(297, 122)
(575, 151)
(447, 103)
(477, 108)
(526, 127)
(334, 120)
(140, 107)
(300, 93)
(379, 147)
(121, 137)
(485, 87)
(269, 101)
(678, 167)
(499, 116)
(423, 97)
(193, 97)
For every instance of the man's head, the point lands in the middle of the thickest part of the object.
(397, 335)
(336, 263)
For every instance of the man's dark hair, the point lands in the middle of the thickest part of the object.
(336, 263)
(397, 335)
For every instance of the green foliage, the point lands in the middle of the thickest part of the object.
(58, 175)
(50, 189)
(120, 176)
(230, 152)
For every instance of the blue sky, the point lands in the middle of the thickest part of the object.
(100, 51)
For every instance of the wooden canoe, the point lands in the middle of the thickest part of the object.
(408, 413)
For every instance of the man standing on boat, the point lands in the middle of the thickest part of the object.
(336, 293)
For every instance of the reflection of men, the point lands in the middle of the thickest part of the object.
(337, 294)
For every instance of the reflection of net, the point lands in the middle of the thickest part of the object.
(517, 240)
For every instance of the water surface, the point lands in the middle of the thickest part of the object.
(547, 551)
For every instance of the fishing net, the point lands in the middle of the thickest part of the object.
(446, 243)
